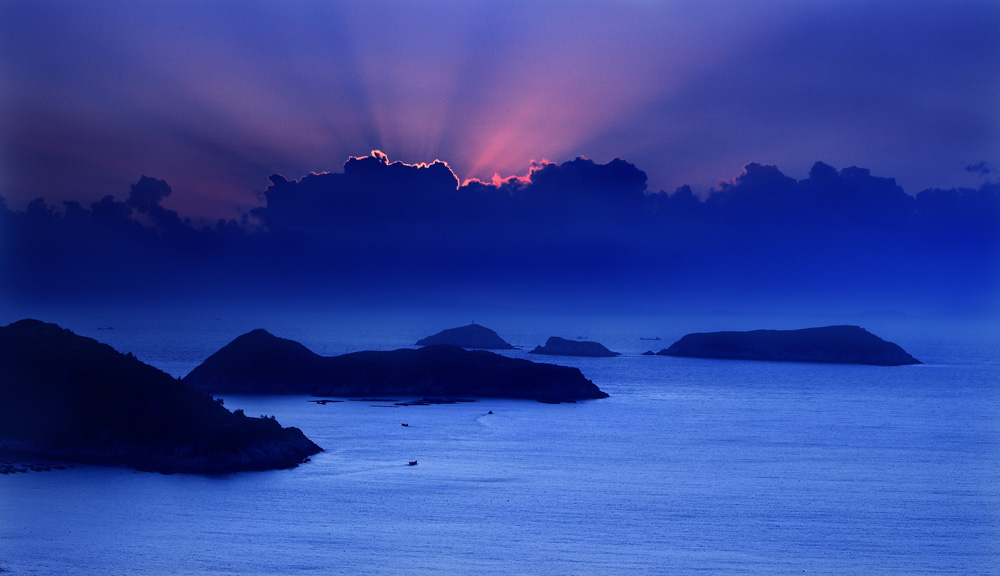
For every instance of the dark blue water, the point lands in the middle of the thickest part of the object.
(692, 466)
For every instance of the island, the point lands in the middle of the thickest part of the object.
(69, 398)
(261, 363)
(830, 344)
(556, 346)
(471, 336)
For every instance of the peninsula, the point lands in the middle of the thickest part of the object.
(830, 344)
(471, 336)
(261, 363)
(69, 398)
(556, 346)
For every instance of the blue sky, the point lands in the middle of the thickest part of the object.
(823, 156)
(215, 96)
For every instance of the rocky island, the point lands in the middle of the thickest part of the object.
(471, 336)
(830, 344)
(69, 398)
(260, 363)
(556, 346)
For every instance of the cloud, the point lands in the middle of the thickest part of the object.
(371, 189)
(147, 193)
(982, 168)
(579, 231)
(214, 97)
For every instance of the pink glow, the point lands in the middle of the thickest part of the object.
(216, 97)
(499, 181)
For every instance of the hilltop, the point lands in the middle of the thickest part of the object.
(65, 397)
(831, 344)
(258, 363)
(471, 336)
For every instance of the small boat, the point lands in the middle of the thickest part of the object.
(413, 462)
(406, 425)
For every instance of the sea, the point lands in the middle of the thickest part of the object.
(691, 466)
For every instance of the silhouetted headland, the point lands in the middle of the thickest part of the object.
(556, 346)
(831, 344)
(471, 336)
(260, 363)
(65, 397)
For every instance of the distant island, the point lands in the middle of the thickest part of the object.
(69, 398)
(830, 344)
(556, 346)
(261, 363)
(471, 336)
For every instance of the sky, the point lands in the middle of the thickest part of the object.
(641, 156)
(214, 97)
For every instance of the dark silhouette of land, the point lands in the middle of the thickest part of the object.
(556, 346)
(260, 363)
(831, 344)
(471, 336)
(65, 397)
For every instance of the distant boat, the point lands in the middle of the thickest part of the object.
(413, 462)
(657, 338)
(405, 424)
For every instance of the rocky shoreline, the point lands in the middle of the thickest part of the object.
(261, 363)
(829, 344)
(67, 398)
(556, 346)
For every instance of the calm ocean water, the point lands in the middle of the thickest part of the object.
(691, 467)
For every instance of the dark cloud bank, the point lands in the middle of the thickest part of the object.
(577, 235)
